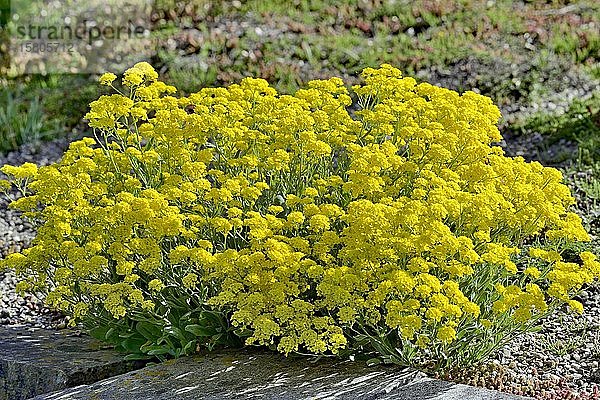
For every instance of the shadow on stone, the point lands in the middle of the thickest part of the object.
(248, 374)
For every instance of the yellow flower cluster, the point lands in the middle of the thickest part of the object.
(304, 222)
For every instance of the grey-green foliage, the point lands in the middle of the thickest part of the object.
(22, 120)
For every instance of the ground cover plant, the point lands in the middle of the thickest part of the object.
(237, 215)
(22, 120)
(39, 108)
(313, 39)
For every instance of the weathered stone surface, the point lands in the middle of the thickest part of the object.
(251, 374)
(35, 361)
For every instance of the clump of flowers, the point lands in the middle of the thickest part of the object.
(239, 214)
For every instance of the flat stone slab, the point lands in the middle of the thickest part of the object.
(36, 361)
(248, 374)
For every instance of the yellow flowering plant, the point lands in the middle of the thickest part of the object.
(239, 215)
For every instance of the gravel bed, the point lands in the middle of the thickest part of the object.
(562, 84)
(560, 360)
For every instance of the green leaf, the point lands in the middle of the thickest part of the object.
(133, 344)
(148, 330)
(240, 332)
(172, 330)
(159, 351)
(126, 335)
(200, 331)
(189, 348)
(137, 356)
(220, 338)
(362, 340)
(212, 318)
(110, 334)
(99, 332)
(373, 361)
(390, 359)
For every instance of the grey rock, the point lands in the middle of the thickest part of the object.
(35, 361)
(248, 374)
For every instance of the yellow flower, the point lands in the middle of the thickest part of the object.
(4, 186)
(295, 218)
(311, 192)
(300, 222)
(155, 285)
(319, 222)
(190, 280)
(576, 306)
(434, 314)
(27, 170)
(533, 272)
(446, 334)
(107, 78)
(486, 323)
(347, 315)
(133, 77)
